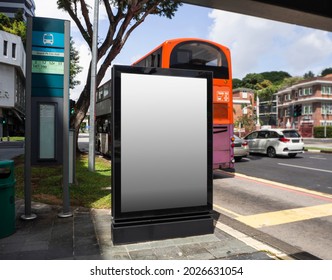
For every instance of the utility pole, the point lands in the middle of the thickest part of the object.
(92, 133)
(325, 115)
(258, 124)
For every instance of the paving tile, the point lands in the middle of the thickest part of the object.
(35, 246)
(192, 249)
(201, 256)
(169, 253)
(147, 254)
(115, 256)
(138, 246)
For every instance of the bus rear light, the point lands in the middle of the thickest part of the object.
(232, 145)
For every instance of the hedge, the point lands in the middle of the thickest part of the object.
(319, 132)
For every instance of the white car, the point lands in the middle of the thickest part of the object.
(273, 142)
(240, 148)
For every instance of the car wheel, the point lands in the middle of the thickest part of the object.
(271, 152)
(292, 155)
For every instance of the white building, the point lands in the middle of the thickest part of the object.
(12, 84)
(306, 104)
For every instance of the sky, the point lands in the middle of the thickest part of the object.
(256, 44)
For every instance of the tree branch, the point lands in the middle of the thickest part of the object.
(137, 23)
(73, 14)
(85, 14)
(109, 11)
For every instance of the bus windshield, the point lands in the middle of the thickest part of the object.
(200, 56)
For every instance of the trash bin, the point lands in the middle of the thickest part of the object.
(7, 198)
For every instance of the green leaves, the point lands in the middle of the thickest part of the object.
(15, 26)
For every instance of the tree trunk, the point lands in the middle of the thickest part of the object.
(81, 109)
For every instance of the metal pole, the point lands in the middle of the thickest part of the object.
(27, 153)
(258, 123)
(92, 135)
(325, 124)
(66, 212)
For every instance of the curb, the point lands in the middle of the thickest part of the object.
(318, 151)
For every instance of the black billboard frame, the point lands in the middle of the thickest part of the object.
(155, 224)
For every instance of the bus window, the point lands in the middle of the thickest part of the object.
(106, 90)
(100, 93)
(152, 60)
(200, 56)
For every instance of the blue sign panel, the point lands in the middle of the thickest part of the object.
(48, 39)
(47, 67)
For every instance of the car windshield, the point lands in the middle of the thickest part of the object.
(291, 134)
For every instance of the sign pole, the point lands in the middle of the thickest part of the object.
(92, 136)
(27, 158)
(66, 212)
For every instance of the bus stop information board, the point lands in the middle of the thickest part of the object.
(47, 102)
(48, 66)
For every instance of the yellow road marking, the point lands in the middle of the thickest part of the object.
(215, 206)
(287, 216)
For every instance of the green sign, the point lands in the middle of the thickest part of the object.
(47, 67)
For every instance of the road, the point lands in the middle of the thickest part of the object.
(9, 150)
(312, 171)
(292, 203)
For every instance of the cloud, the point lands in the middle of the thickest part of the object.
(259, 45)
(49, 9)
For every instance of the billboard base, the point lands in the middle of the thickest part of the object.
(151, 230)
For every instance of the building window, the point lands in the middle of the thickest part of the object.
(326, 90)
(244, 94)
(306, 109)
(5, 48)
(286, 112)
(13, 50)
(305, 91)
(105, 90)
(328, 123)
(326, 108)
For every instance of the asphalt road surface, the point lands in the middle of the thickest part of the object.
(9, 150)
(312, 171)
(292, 215)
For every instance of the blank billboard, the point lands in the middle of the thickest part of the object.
(161, 142)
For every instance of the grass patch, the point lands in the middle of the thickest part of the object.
(92, 189)
(13, 138)
(327, 150)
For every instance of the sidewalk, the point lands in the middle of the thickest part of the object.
(87, 236)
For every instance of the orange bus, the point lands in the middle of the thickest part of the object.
(198, 54)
